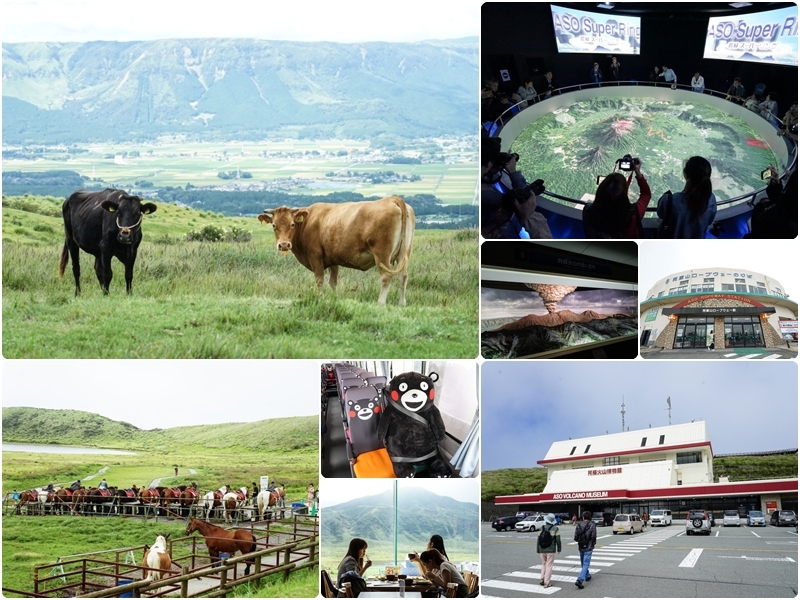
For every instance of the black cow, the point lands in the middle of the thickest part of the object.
(104, 224)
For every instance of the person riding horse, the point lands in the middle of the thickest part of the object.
(103, 485)
(75, 486)
(49, 487)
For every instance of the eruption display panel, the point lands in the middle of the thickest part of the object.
(528, 319)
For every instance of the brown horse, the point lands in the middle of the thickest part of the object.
(64, 499)
(27, 497)
(223, 540)
(189, 497)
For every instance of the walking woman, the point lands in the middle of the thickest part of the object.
(548, 553)
(690, 212)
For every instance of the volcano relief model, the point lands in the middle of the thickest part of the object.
(598, 315)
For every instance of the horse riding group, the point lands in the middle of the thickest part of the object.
(177, 500)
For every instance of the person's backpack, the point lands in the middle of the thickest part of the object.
(583, 536)
(545, 538)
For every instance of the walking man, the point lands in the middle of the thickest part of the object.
(586, 536)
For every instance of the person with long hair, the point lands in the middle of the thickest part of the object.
(611, 215)
(692, 210)
(436, 569)
(355, 559)
(437, 543)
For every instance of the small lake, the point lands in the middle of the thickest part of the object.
(57, 449)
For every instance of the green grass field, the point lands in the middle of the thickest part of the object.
(29, 542)
(227, 300)
(290, 161)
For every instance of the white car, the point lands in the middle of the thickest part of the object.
(731, 517)
(661, 517)
(533, 523)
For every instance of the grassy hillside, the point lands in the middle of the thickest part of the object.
(227, 299)
(75, 427)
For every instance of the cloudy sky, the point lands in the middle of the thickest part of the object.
(498, 304)
(526, 406)
(161, 393)
(769, 257)
(345, 21)
(336, 491)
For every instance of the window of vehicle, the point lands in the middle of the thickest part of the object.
(731, 513)
(621, 518)
(787, 513)
(756, 513)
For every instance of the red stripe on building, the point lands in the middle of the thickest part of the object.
(735, 296)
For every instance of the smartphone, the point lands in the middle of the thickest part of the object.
(600, 179)
(766, 173)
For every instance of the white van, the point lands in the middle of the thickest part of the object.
(661, 517)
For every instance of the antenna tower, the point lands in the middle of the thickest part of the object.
(623, 413)
(669, 409)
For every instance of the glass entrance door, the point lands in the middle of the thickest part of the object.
(691, 335)
(743, 332)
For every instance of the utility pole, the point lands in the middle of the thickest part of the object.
(669, 409)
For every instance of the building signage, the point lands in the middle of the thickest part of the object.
(788, 326)
(579, 495)
(607, 471)
(707, 274)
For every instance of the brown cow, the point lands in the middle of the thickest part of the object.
(357, 235)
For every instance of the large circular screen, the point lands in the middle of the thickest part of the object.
(571, 146)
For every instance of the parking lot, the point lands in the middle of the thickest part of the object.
(758, 562)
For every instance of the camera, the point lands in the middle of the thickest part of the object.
(537, 187)
(600, 179)
(627, 163)
(504, 157)
(766, 173)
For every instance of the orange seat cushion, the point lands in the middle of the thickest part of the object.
(374, 464)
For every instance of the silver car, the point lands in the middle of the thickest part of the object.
(533, 523)
(731, 517)
(756, 518)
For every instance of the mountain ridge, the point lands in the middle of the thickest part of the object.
(230, 88)
(559, 318)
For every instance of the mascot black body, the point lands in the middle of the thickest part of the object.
(411, 426)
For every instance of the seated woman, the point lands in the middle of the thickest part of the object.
(434, 568)
(437, 543)
(611, 215)
(354, 559)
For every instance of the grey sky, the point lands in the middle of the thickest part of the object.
(346, 21)
(526, 406)
(776, 258)
(336, 491)
(161, 393)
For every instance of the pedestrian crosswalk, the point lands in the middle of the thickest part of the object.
(757, 356)
(525, 584)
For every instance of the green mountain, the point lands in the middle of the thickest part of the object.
(76, 427)
(421, 513)
(221, 89)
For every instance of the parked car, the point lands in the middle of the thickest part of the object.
(661, 517)
(602, 518)
(782, 517)
(756, 518)
(731, 517)
(504, 523)
(627, 524)
(534, 523)
(698, 521)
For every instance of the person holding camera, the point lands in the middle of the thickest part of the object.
(508, 203)
(611, 215)
(775, 217)
(691, 211)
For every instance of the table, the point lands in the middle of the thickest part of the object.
(388, 594)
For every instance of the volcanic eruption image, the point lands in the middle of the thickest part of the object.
(518, 323)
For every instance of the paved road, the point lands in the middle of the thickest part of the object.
(733, 562)
(781, 353)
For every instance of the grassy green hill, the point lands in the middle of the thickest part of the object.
(76, 427)
(227, 299)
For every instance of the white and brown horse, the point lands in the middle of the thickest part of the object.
(233, 501)
(157, 559)
(213, 500)
(265, 499)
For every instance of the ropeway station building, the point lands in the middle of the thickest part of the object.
(638, 471)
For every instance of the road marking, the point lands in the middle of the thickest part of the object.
(605, 557)
(577, 562)
(717, 534)
(729, 355)
(680, 534)
(747, 357)
(691, 559)
(567, 569)
(521, 587)
(771, 357)
(612, 553)
(760, 558)
(755, 534)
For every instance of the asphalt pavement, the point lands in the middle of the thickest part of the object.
(733, 562)
(778, 353)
